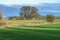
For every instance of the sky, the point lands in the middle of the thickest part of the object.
(28, 2)
(10, 10)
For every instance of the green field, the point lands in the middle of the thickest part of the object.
(42, 32)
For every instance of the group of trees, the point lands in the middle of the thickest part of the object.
(29, 13)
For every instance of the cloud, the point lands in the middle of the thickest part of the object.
(27, 2)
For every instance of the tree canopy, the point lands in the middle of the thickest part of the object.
(29, 12)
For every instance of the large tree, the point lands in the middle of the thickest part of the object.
(29, 12)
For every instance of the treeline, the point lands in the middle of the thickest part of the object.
(31, 13)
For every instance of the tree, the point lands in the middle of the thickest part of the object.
(50, 18)
(34, 13)
(25, 10)
(1, 15)
(29, 12)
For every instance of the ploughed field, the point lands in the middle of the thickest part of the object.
(41, 32)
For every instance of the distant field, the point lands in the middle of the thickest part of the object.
(42, 32)
(25, 22)
(29, 22)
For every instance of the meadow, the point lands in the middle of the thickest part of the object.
(41, 32)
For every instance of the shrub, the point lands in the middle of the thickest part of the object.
(50, 18)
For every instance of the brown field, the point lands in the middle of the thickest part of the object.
(28, 22)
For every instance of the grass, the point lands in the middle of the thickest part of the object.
(42, 32)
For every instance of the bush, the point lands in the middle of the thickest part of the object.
(50, 18)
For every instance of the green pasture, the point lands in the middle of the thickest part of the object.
(41, 32)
